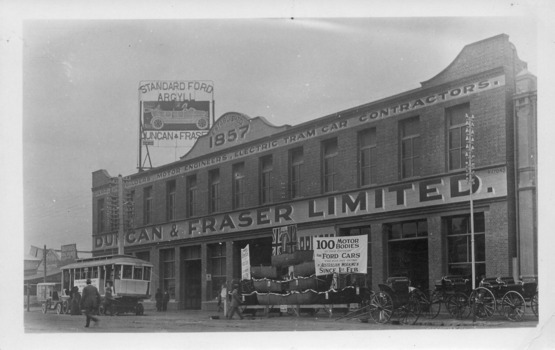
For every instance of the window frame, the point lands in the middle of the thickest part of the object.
(266, 168)
(450, 114)
(214, 191)
(295, 168)
(171, 194)
(191, 188)
(238, 185)
(147, 205)
(369, 149)
(413, 158)
(329, 165)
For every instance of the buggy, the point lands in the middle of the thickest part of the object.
(396, 297)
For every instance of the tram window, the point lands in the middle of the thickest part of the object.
(117, 274)
(77, 274)
(94, 272)
(137, 273)
(127, 272)
(146, 275)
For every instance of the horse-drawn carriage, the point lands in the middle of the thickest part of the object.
(507, 296)
(395, 298)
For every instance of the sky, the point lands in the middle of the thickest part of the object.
(75, 69)
(80, 81)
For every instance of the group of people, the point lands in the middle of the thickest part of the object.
(162, 300)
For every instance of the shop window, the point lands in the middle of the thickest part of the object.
(266, 168)
(329, 165)
(459, 246)
(296, 160)
(456, 119)
(167, 259)
(214, 190)
(170, 200)
(192, 193)
(147, 205)
(218, 268)
(410, 148)
(367, 157)
(101, 215)
(238, 184)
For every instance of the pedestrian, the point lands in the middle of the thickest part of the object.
(108, 298)
(235, 302)
(158, 296)
(221, 297)
(165, 300)
(90, 300)
(75, 301)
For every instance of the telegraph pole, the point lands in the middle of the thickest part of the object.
(120, 214)
(470, 179)
(44, 262)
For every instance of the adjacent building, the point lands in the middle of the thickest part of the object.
(392, 169)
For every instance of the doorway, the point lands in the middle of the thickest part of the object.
(192, 290)
(409, 258)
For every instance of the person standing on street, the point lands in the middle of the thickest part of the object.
(158, 297)
(90, 301)
(165, 300)
(235, 302)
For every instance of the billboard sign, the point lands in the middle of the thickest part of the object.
(346, 254)
(245, 263)
(175, 112)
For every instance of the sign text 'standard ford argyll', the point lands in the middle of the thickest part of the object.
(301, 135)
(490, 183)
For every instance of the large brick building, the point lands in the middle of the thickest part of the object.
(392, 169)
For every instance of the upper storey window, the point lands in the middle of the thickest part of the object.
(367, 157)
(410, 147)
(266, 168)
(238, 185)
(329, 165)
(214, 190)
(147, 205)
(296, 160)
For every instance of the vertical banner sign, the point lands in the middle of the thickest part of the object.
(245, 263)
(347, 254)
(175, 113)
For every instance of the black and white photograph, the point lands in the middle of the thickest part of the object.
(294, 175)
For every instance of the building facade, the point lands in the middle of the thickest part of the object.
(392, 169)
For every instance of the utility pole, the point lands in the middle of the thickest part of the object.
(470, 179)
(120, 213)
(44, 262)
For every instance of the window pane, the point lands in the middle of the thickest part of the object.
(423, 228)
(454, 159)
(127, 271)
(406, 148)
(409, 229)
(454, 138)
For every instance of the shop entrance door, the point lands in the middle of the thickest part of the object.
(409, 258)
(192, 286)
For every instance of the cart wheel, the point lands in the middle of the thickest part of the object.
(44, 308)
(412, 309)
(457, 305)
(535, 304)
(482, 302)
(59, 308)
(435, 305)
(427, 309)
(381, 307)
(67, 308)
(157, 123)
(513, 306)
(139, 309)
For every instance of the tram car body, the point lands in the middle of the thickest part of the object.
(128, 276)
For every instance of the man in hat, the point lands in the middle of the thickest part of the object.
(235, 302)
(90, 301)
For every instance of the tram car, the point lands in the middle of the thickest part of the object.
(128, 277)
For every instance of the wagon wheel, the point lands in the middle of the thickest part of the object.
(67, 307)
(535, 304)
(381, 307)
(428, 308)
(435, 305)
(44, 307)
(513, 306)
(157, 123)
(365, 300)
(139, 309)
(412, 309)
(457, 305)
(202, 123)
(482, 303)
(59, 308)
